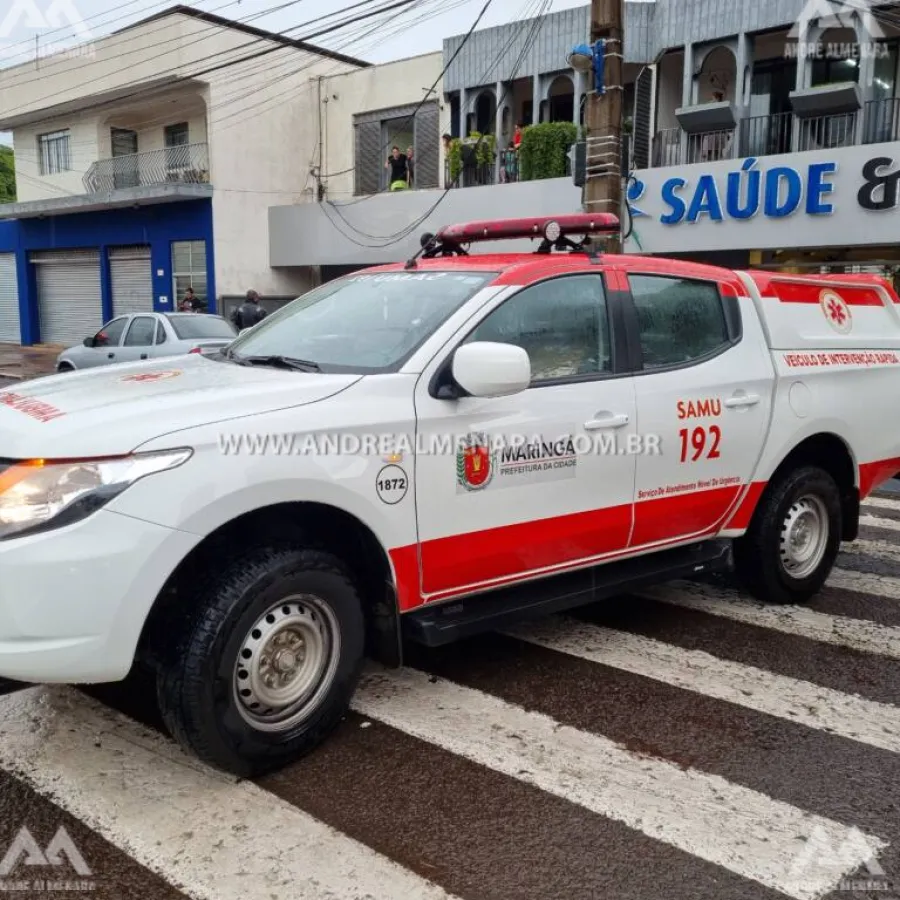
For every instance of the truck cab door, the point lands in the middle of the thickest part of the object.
(704, 389)
(512, 501)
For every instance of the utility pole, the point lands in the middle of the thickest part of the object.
(603, 116)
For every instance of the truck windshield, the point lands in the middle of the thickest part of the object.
(367, 323)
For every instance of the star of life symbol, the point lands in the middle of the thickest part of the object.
(836, 311)
(149, 376)
(60, 861)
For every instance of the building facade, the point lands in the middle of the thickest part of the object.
(146, 164)
(775, 135)
(794, 103)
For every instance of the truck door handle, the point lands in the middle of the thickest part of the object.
(111, 356)
(606, 420)
(143, 356)
(741, 400)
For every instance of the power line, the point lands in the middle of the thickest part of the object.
(279, 73)
(411, 117)
(224, 25)
(372, 35)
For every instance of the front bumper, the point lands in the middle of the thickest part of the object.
(73, 601)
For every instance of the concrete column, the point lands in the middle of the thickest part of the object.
(802, 80)
(866, 77)
(577, 86)
(463, 112)
(687, 93)
(501, 101)
(744, 58)
(536, 96)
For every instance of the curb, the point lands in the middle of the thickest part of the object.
(15, 376)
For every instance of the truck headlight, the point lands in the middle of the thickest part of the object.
(39, 494)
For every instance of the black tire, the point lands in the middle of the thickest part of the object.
(197, 686)
(760, 557)
(65, 367)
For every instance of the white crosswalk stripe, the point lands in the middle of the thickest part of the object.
(875, 549)
(869, 521)
(855, 634)
(876, 724)
(882, 503)
(219, 839)
(862, 582)
(731, 826)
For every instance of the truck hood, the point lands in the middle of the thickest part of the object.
(114, 409)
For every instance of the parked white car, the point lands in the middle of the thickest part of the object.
(148, 336)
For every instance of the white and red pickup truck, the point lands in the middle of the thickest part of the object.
(429, 450)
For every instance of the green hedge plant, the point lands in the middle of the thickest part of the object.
(485, 147)
(542, 153)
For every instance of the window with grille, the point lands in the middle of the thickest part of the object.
(176, 140)
(53, 152)
(189, 270)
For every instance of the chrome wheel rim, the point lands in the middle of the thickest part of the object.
(804, 537)
(286, 663)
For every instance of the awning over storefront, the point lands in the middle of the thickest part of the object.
(119, 199)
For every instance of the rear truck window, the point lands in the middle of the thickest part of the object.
(191, 327)
(368, 323)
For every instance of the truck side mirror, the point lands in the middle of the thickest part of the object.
(489, 369)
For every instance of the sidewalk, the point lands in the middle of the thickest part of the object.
(27, 362)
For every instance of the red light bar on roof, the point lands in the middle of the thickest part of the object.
(550, 227)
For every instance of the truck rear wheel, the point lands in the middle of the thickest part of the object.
(265, 664)
(789, 550)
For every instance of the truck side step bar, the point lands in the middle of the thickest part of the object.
(478, 613)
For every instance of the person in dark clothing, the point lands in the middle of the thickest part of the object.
(399, 166)
(191, 302)
(249, 313)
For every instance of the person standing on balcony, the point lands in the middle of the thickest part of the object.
(399, 168)
(410, 168)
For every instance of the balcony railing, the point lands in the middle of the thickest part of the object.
(882, 121)
(185, 164)
(709, 146)
(766, 135)
(781, 133)
(827, 132)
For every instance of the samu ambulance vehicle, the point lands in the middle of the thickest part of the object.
(428, 450)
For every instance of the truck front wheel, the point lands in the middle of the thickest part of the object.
(265, 662)
(795, 536)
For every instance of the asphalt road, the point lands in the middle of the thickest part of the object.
(684, 744)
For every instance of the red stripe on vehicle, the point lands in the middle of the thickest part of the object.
(494, 553)
(874, 474)
(686, 514)
(740, 519)
(791, 292)
(406, 574)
